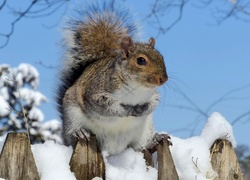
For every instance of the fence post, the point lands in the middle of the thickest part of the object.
(166, 167)
(224, 161)
(86, 161)
(16, 160)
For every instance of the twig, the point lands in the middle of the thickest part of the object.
(204, 113)
(192, 103)
(3, 4)
(22, 14)
(12, 109)
(41, 12)
(240, 117)
(157, 9)
(24, 115)
(46, 66)
(196, 164)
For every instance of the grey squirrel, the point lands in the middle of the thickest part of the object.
(108, 82)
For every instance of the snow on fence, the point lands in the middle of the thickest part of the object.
(17, 161)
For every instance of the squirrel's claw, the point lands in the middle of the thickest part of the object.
(82, 134)
(156, 140)
(159, 137)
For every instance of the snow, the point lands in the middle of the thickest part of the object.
(30, 96)
(128, 165)
(20, 75)
(53, 161)
(47, 129)
(4, 93)
(4, 105)
(3, 68)
(17, 79)
(36, 113)
(218, 128)
(19, 93)
(26, 73)
(14, 121)
(191, 157)
(52, 124)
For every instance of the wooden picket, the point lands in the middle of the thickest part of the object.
(16, 160)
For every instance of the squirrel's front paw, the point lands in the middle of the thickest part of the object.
(155, 141)
(137, 110)
(127, 109)
(140, 110)
(82, 134)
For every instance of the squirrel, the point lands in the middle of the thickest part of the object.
(108, 81)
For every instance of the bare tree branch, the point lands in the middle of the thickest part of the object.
(238, 9)
(36, 9)
(204, 113)
(193, 104)
(222, 15)
(36, 14)
(158, 10)
(240, 117)
(3, 4)
(225, 97)
(45, 65)
(14, 23)
(203, 3)
(222, 10)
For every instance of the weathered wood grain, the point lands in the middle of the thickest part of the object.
(166, 167)
(86, 161)
(224, 161)
(16, 160)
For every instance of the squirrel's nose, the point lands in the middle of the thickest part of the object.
(163, 79)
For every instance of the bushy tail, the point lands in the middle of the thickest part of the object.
(96, 34)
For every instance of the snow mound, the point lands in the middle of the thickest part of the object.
(52, 161)
(218, 127)
(128, 165)
(192, 156)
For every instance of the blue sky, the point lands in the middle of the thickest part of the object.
(203, 60)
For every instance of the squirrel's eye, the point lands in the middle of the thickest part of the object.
(141, 61)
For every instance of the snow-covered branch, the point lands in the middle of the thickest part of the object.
(20, 101)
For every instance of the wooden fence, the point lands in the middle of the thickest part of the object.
(17, 161)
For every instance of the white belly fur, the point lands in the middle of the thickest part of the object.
(113, 134)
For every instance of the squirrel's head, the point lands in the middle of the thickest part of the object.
(143, 62)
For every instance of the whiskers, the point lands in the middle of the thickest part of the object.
(170, 89)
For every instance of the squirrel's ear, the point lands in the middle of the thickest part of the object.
(125, 44)
(151, 42)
